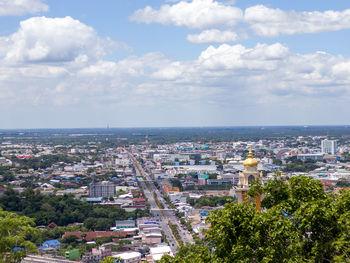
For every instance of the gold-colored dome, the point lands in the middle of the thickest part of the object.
(250, 161)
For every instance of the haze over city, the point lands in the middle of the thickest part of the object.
(143, 63)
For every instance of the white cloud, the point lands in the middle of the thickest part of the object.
(195, 14)
(42, 39)
(264, 21)
(270, 22)
(172, 71)
(213, 36)
(226, 71)
(261, 57)
(342, 70)
(20, 7)
(227, 79)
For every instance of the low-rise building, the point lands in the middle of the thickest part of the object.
(103, 252)
(129, 257)
(156, 253)
(46, 259)
(91, 258)
(152, 238)
(53, 244)
(124, 224)
(139, 202)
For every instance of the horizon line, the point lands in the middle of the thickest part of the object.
(182, 127)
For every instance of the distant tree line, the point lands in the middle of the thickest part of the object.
(44, 161)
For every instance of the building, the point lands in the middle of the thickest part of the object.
(139, 203)
(54, 244)
(310, 156)
(91, 258)
(94, 199)
(102, 189)
(5, 162)
(156, 253)
(219, 181)
(249, 174)
(130, 257)
(72, 254)
(124, 224)
(103, 252)
(88, 236)
(41, 259)
(202, 179)
(146, 223)
(152, 238)
(177, 197)
(329, 146)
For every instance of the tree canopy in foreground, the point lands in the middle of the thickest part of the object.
(299, 222)
(14, 235)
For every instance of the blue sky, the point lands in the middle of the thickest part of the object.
(86, 63)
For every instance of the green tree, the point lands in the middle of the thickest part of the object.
(14, 234)
(276, 161)
(176, 183)
(111, 260)
(299, 222)
(70, 239)
(190, 253)
(241, 234)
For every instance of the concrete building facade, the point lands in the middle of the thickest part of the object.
(329, 146)
(101, 189)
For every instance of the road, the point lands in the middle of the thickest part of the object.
(163, 220)
(162, 215)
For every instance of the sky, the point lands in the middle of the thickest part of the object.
(170, 63)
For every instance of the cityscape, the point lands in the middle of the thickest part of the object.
(92, 194)
(174, 131)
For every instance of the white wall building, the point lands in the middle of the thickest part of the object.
(156, 253)
(130, 257)
(329, 146)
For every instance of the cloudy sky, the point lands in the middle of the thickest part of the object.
(145, 63)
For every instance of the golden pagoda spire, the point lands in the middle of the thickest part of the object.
(250, 155)
(250, 161)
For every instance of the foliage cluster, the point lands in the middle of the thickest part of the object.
(212, 201)
(186, 224)
(6, 174)
(159, 204)
(64, 210)
(43, 161)
(299, 222)
(303, 168)
(175, 232)
(176, 183)
(296, 165)
(14, 234)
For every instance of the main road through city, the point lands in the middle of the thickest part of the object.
(162, 215)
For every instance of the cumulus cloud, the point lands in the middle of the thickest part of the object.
(20, 7)
(42, 39)
(264, 21)
(213, 36)
(261, 57)
(223, 79)
(194, 14)
(270, 22)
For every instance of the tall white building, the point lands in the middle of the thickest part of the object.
(329, 146)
